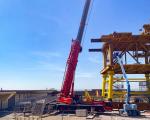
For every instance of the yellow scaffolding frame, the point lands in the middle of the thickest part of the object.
(108, 92)
(126, 43)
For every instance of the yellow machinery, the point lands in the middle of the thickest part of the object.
(87, 97)
(91, 98)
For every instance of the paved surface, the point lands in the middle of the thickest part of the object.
(106, 116)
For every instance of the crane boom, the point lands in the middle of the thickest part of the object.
(83, 21)
(126, 78)
(129, 109)
(67, 89)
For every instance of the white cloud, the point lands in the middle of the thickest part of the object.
(51, 66)
(84, 75)
(46, 54)
(42, 65)
(52, 19)
(44, 61)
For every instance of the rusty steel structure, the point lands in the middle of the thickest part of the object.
(135, 53)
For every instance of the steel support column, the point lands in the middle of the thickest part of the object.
(147, 77)
(103, 84)
(110, 85)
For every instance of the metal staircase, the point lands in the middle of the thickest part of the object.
(40, 107)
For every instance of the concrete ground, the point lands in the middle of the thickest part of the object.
(104, 116)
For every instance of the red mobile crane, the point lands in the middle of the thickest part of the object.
(67, 90)
(66, 98)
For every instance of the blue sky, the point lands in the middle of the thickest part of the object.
(35, 38)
